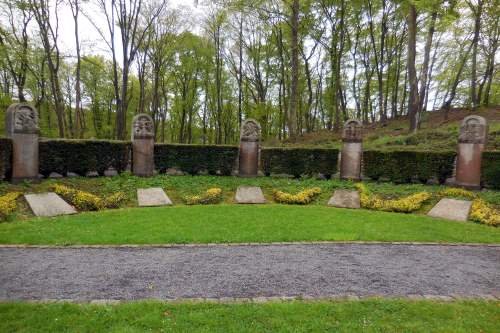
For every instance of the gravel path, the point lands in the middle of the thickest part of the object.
(249, 271)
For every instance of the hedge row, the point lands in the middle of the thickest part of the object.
(299, 161)
(196, 158)
(5, 157)
(491, 169)
(408, 166)
(82, 156)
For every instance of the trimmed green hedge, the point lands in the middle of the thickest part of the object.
(491, 169)
(406, 166)
(5, 157)
(82, 156)
(196, 158)
(299, 161)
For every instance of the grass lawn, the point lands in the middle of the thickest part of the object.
(372, 315)
(240, 223)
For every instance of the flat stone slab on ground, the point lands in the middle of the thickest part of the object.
(48, 204)
(150, 197)
(345, 199)
(249, 195)
(451, 209)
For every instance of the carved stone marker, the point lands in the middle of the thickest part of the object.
(249, 149)
(48, 204)
(143, 145)
(352, 150)
(471, 142)
(249, 195)
(150, 197)
(345, 199)
(451, 209)
(21, 124)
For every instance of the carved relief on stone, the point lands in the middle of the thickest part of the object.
(353, 131)
(142, 127)
(474, 129)
(250, 131)
(22, 118)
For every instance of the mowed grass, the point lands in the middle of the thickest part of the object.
(240, 223)
(373, 315)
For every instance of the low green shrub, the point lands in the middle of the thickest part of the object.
(5, 157)
(299, 161)
(196, 158)
(82, 156)
(405, 166)
(491, 169)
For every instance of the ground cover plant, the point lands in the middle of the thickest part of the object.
(371, 315)
(302, 198)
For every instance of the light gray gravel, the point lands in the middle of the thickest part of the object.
(249, 271)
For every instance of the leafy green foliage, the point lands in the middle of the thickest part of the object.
(82, 156)
(299, 161)
(5, 157)
(491, 169)
(195, 158)
(405, 166)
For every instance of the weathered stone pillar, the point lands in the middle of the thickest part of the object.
(471, 142)
(143, 145)
(22, 127)
(249, 149)
(352, 150)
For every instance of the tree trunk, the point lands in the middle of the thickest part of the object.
(413, 103)
(292, 116)
(475, 41)
(424, 74)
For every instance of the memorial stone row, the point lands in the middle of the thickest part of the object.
(22, 128)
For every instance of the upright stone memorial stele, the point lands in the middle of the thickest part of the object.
(249, 149)
(471, 142)
(22, 127)
(143, 146)
(352, 150)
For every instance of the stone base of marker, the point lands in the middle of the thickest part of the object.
(345, 199)
(152, 197)
(248, 159)
(350, 161)
(468, 170)
(451, 209)
(249, 195)
(48, 205)
(143, 157)
(24, 157)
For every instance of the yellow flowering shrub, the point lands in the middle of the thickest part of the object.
(403, 205)
(481, 211)
(87, 201)
(211, 196)
(484, 213)
(114, 200)
(8, 204)
(301, 198)
(458, 192)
